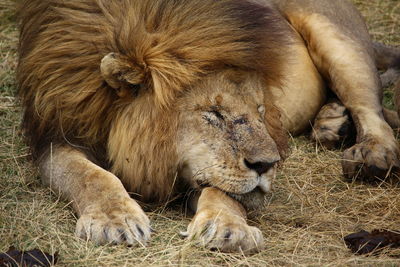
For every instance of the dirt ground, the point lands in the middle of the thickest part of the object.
(311, 210)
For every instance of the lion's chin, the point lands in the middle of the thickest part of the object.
(252, 201)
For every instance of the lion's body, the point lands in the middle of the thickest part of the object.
(168, 94)
(303, 91)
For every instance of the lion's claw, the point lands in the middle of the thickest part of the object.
(370, 160)
(126, 224)
(225, 233)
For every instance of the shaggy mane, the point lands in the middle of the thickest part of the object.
(176, 42)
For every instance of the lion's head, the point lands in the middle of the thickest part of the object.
(224, 139)
(223, 131)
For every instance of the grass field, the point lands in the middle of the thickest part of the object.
(311, 210)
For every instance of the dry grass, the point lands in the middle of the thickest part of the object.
(312, 208)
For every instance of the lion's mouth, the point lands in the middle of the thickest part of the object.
(260, 184)
(256, 190)
(253, 200)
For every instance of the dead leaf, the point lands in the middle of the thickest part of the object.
(35, 257)
(364, 242)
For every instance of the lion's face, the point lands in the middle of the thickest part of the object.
(223, 140)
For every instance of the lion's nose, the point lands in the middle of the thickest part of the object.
(261, 166)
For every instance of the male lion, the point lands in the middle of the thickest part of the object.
(157, 97)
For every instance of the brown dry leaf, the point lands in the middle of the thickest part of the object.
(29, 258)
(364, 242)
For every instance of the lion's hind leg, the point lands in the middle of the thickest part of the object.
(348, 66)
(106, 212)
(220, 223)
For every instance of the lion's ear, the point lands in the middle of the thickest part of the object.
(121, 74)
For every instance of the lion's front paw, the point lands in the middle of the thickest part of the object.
(115, 223)
(370, 160)
(225, 232)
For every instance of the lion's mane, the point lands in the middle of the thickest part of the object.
(172, 43)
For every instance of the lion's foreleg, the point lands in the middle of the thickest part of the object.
(220, 223)
(106, 211)
(350, 70)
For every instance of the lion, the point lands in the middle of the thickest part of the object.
(154, 98)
